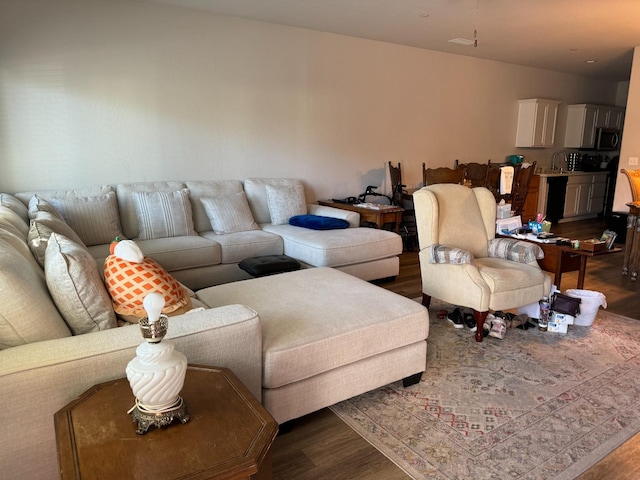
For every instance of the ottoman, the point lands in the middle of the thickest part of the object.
(327, 336)
(268, 265)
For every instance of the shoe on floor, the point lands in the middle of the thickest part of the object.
(498, 328)
(456, 318)
(470, 321)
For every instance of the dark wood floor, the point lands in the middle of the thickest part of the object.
(321, 446)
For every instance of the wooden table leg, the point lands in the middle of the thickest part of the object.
(635, 251)
(582, 271)
(631, 229)
(558, 273)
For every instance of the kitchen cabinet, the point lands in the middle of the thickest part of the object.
(583, 120)
(536, 122)
(585, 195)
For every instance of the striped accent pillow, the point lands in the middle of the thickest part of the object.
(163, 214)
(95, 218)
(229, 213)
(515, 250)
(452, 255)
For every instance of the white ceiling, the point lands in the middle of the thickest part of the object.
(551, 34)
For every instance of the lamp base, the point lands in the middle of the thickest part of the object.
(146, 418)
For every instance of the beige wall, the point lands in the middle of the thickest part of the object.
(96, 92)
(631, 137)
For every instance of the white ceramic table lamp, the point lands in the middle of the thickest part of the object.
(156, 374)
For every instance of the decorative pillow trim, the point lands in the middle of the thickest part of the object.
(515, 250)
(452, 255)
(318, 222)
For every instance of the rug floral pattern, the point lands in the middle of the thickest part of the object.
(535, 405)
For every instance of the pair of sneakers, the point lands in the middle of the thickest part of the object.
(460, 318)
(495, 326)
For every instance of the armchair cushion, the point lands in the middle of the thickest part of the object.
(514, 250)
(445, 254)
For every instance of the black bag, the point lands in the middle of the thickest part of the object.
(565, 304)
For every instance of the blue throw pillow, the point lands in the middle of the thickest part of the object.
(316, 222)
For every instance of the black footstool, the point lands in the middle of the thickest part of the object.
(269, 265)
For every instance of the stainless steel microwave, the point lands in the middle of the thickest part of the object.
(607, 139)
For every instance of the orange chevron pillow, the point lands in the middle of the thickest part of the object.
(128, 283)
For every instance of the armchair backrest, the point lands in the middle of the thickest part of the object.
(456, 216)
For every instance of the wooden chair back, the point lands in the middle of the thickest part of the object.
(475, 174)
(431, 176)
(521, 181)
(634, 182)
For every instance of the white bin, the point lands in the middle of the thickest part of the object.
(590, 302)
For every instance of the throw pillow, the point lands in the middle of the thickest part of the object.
(229, 213)
(452, 255)
(129, 282)
(39, 204)
(94, 218)
(285, 201)
(41, 229)
(163, 214)
(515, 250)
(318, 222)
(76, 286)
(27, 313)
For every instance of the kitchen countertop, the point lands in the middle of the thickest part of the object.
(549, 173)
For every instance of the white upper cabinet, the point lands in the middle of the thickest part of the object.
(536, 122)
(583, 119)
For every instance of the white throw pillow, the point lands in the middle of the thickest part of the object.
(163, 214)
(76, 286)
(285, 201)
(229, 213)
(39, 204)
(94, 218)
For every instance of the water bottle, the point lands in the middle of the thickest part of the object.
(543, 322)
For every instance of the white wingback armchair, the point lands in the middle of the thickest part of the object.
(461, 261)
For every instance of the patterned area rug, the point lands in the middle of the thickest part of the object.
(535, 405)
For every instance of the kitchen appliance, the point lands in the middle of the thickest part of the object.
(607, 139)
(573, 161)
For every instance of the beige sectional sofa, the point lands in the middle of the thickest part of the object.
(299, 341)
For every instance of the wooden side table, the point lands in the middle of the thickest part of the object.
(378, 217)
(632, 246)
(228, 437)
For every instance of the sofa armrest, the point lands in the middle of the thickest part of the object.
(352, 217)
(38, 379)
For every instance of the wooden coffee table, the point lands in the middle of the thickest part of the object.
(376, 216)
(228, 437)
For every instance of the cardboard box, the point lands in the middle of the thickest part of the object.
(557, 327)
(592, 245)
(561, 318)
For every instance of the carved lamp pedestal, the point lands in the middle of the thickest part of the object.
(156, 374)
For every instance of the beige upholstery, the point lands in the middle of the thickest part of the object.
(462, 217)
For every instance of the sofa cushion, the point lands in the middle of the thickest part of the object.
(163, 214)
(27, 313)
(229, 213)
(10, 217)
(15, 205)
(129, 282)
(181, 253)
(126, 204)
(318, 222)
(304, 334)
(76, 286)
(206, 189)
(41, 229)
(334, 248)
(285, 201)
(94, 218)
(256, 190)
(235, 247)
